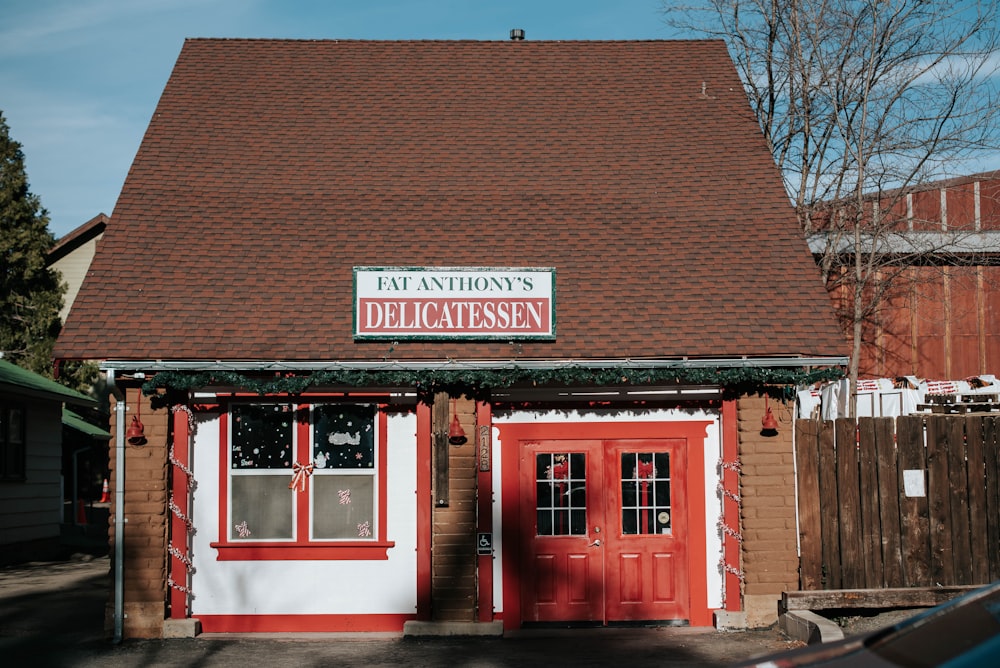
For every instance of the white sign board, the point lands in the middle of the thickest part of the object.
(913, 482)
(454, 303)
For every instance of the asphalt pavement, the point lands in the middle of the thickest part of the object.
(53, 614)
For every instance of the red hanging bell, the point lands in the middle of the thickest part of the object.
(135, 435)
(769, 425)
(456, 435)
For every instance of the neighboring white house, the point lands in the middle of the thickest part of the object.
(71, 257)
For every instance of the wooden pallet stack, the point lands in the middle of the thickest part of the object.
(960, 403)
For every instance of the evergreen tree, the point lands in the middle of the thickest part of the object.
(31, 294)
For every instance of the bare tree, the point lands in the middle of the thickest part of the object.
(860, 101)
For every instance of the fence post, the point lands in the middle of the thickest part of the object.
(849, 497)
(978, 531)
(888, 494)
(830, 506)
(871, 522)
(914, 511)
(810, 533)
(991, 457)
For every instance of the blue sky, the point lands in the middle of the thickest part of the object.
(79, 79)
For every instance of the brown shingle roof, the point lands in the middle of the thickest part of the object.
(271, 168)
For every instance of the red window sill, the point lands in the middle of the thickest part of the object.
(372, 551)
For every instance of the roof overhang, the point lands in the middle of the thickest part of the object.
(599, 395)
(77, 423)
(290, 366)
(508, 380)
(909, 243)
(23, 383)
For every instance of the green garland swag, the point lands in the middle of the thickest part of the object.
(735, 381)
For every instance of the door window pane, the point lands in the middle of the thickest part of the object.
(645, 485)
(561, 494)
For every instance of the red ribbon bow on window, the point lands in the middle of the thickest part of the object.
(300, 475)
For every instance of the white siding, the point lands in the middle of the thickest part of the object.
(32, 509)
(73, 269)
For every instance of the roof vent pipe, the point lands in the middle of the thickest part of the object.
(517, 34)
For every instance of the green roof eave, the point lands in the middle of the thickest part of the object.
(25, 383)
(77, 423)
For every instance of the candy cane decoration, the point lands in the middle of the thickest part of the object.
(735, 571)
(176, 510)
(180, 555)
(181, 408)
(180, 465)
(727, 530)
(189, 484)
(731, 466)
(729, 495)
(179, 587)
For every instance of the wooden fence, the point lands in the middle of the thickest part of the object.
(899, 502)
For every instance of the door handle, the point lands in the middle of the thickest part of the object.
(596, 543)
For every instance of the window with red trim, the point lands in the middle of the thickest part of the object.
(302, 477)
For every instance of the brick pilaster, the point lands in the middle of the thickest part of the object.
(454, 534)
(145, 530)
(767, 491)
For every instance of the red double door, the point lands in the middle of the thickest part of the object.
(603, 530)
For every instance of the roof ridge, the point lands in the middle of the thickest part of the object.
(338, 40)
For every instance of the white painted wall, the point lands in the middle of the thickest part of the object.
(713, 500)
(307, 587)
(387, 587)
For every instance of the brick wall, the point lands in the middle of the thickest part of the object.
(453, 589)
(767, 491)
(145, 531)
